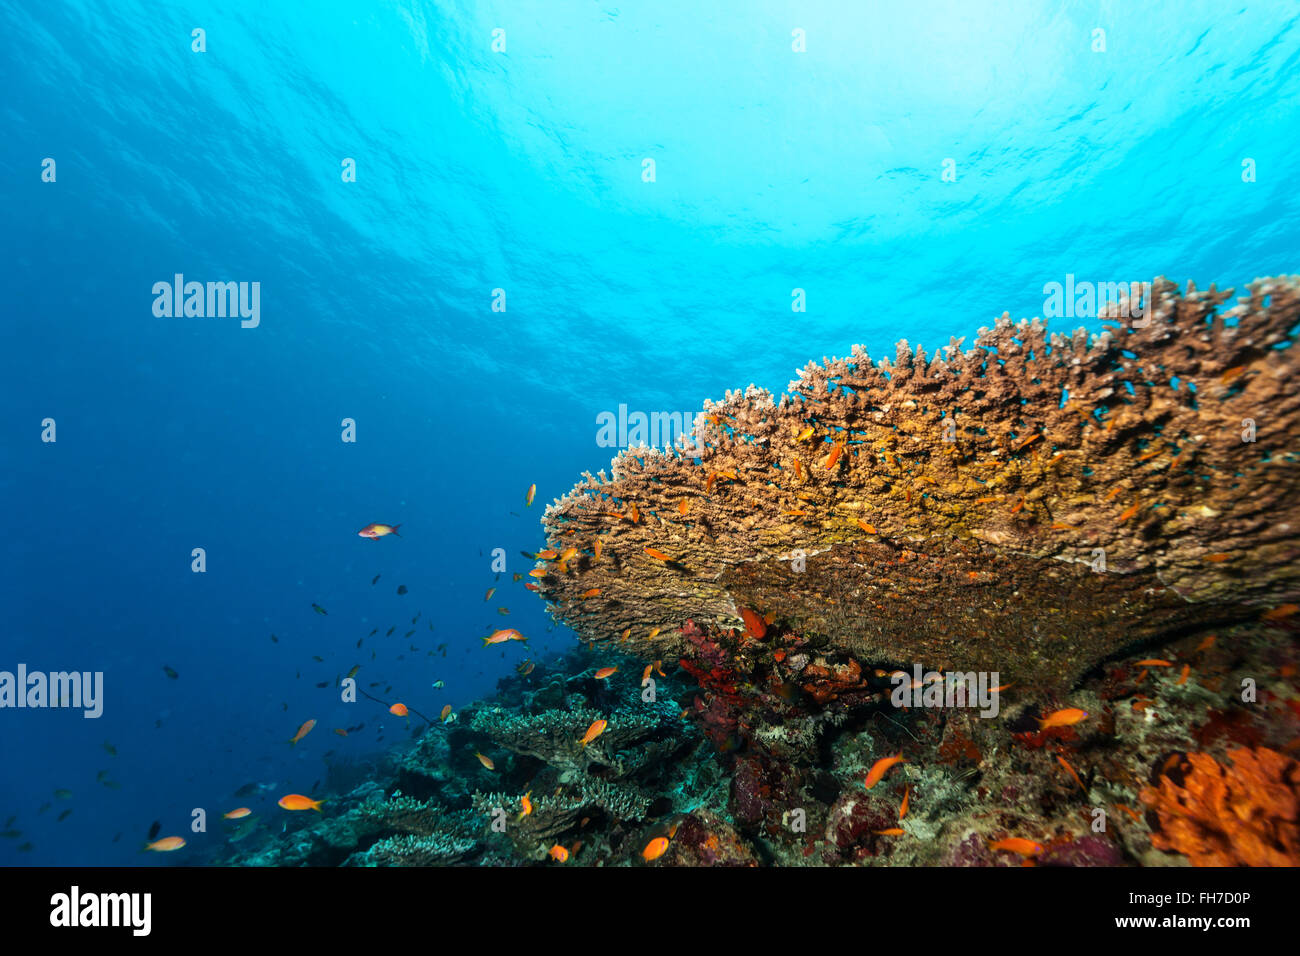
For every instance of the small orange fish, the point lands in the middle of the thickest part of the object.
(868, 528)
(303, 731)
(1231, 373)
(1207, 642)
(500, 637)
(340, 731)
(591, 593)
(653, 634)
(1062, 526)
(892, 831)
(633, 514)
(238, 814)
(902, 809)
(558, 853)
(568, 553)
(1066, 764)
(645, 674)
(625, 635)
(296, 801)
(399, 709)
(657, 554)
(596, 548)
(1114, 492)
(1137, 818)
(1062, 718)
(683, 506)
(1017, 845)
(526, 802)
(755, 626)
(165, 845)
(798, 469)
(708, 485)
(445, 713)
(490, 592)
(1019, 505)
(1187, 669)
(805, 434)
(531, 586)
(595, 730)
(528, 498)
(836, 451)
(659, 668)
(1280, 613)
(1153, 662)
(1130, 511)
(550, 554)
(537, 573)
(880, 768)
(1218, 558)
(655, 849)
(605, 672)
(376, 531)
(485, 761)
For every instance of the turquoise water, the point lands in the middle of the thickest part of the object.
(520, 170)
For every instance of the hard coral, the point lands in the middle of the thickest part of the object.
(902, 510)
(1244, 814)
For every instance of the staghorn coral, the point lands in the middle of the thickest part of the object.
(1029, 506)
(410, 849)
(1244, 814)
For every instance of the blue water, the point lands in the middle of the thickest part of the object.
(518, 170)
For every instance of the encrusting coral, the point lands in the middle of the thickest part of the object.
(1029, 506)
(1245, 813)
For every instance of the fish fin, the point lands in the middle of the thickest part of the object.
(395, 527)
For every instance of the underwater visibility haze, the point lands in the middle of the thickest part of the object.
(931, 607)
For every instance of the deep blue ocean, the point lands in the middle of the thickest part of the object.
(914, 168)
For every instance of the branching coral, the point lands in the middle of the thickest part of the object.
(1246, 813)
(1028, 506)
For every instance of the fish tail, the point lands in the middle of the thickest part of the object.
(395, 527)
(315, 805)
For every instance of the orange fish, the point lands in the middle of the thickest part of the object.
(1137, 818)
(537, 573)
(653, 634)
(798, 469)
(1019, 504)
(1153, 662)
(591, 593)
(528, 498)
(1231, 373)
(683, 506)
(655, 849)
(1062, 718)
(296, 801)
(376, 531)
(165, 845)
(238, 814)
(500, 637)
(550, 554)
(485, 761)
(606, 672)
(340, 731)
(1187, 669)
(1017, 845)
(531, 586)
(645, 674)
(708, 486)
(595, 548)
(1066, 764)
(1207, 642)
(659, 668)
(1130, 511)
(868, 528)
(490, 592)
(399, 709)
(836, 450)
(568, 553)
(1218, 558)
(902, 810)
(755, 626)
(657, 554)
(558, 853)
(880, 768)
(625, 635)
(633, 514)
(892, 831)
(595, 730)
(446, 712)
(1280, 613)
(303, 731)
(526, 801)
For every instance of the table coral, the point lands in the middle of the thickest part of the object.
(1028, 506)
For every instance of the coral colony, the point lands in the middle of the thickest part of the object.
(1027, 603)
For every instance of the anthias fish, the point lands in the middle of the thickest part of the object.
(376, 531)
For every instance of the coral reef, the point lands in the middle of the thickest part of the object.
(1030, 506)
